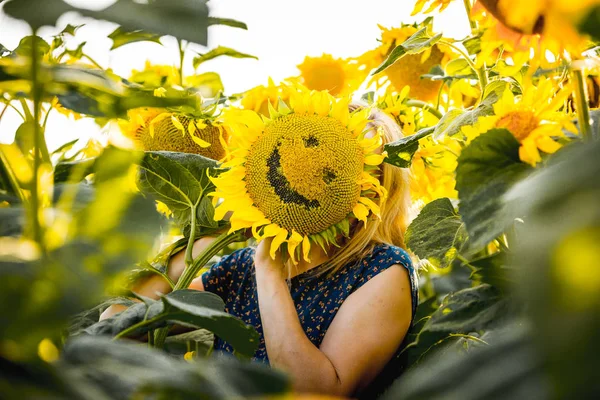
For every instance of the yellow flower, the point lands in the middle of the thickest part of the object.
(301, 175)
(530, 32)
(533, 118)
(154, 129)
(338, 76)
(408, 70)
(47, 351)
(394, 106)
(258, 98)
(432, 170)
(156, 75)
(440, 5)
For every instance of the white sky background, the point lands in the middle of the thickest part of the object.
(280, 33)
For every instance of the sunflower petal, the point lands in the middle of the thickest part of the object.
(305, 248)
(276, 243)
(361, 212)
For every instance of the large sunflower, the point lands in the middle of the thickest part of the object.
(301, 175)
(533, 118)
(408, 70)
(340, 77)
(154, 129)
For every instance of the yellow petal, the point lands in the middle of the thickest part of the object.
(191, 128)
(340, 111)
(375, 159)
(200, 142)
(293, 242)
(371, 204)
(279, 239)
(305, 248)
(160, 92)
(177, 124)
(361, 212)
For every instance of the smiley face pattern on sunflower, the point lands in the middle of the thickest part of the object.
(317, 299)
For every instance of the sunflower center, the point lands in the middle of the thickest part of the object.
(325, 75)
(302, 173)
(167, 137)
(519, 123)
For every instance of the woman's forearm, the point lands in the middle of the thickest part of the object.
(288, 347)
(155, 286)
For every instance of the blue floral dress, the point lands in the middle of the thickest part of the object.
(317, 299)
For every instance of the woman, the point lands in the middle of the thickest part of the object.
(336, 318)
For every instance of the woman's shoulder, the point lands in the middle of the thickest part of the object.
(385, 255)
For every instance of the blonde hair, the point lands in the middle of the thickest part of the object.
(390, 229)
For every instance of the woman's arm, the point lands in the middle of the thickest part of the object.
(155, 286)
(362, 338)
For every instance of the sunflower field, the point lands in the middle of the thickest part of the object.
(501, 143)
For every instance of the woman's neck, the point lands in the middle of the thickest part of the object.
(317, 257)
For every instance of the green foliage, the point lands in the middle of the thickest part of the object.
(185, 19)
(185, 307)
(401, 152)
(437, 234)
(452, 122)
(181, 181)
(121, 37)
(589, 23)
(417, 43)
(468, 312)
(487, 168)
(506, 369)
(219, 52)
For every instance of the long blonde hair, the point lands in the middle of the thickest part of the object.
(391, 228)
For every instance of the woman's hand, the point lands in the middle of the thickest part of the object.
(263, 261)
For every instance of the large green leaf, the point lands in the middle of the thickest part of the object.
(187, 307)
(122, 37)
(184, 19)
(509, 368)
(470, 310)
(556, 252)
(486, 169)
(122, 370)
(417, 43)
(494, 270)
(401, 152)
(452, 122)
(181, 181)
(219, 52)
(437, 233)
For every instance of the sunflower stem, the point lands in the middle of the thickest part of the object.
(481, 71)
(192, 270)
(425, 106)
(181, 59)
(189, 258)
(36, 89)
(581, 104)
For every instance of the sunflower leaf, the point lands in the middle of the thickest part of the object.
(417, 43)
(452, 122)
(227, 22)
(486, 170)
(437, 233)
(401, 152)
(181, 181)
(184, 19)
(121, 37)
(218, 52)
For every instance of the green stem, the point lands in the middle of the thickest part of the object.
(90, 59)
(425, 106)
(192, 270)
(481, 72)
(8, 104)
(135, 327)
(467, 263)
(581, 104)
(189, 257)
(37, 89)
(26, 111)
(181, 59)
(13, 181)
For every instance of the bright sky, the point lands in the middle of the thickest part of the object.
(280, 33)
